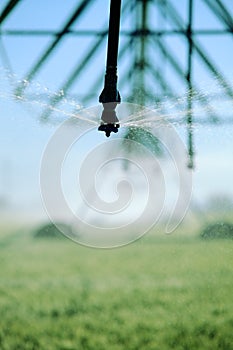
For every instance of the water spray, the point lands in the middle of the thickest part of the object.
(110, 95)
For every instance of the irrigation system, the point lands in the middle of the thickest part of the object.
(144, 50)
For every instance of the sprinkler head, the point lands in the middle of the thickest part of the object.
(108, 128)
(109, 121)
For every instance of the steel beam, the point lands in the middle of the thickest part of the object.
(7, 10)
(75, 15)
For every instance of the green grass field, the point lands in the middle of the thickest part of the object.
(169, 292)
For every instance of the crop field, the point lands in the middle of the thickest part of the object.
(162, 292)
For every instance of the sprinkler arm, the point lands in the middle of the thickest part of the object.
(110, 95)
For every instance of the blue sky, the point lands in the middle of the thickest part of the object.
(23, 137)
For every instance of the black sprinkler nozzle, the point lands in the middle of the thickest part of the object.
(109, 121)
(108, 128)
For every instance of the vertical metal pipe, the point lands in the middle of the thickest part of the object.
(190, 87)
(110, 92)
(142, 65)
(141, 35)
(110, 96)
(113, 33)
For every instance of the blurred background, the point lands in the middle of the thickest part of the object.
(175, 57)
